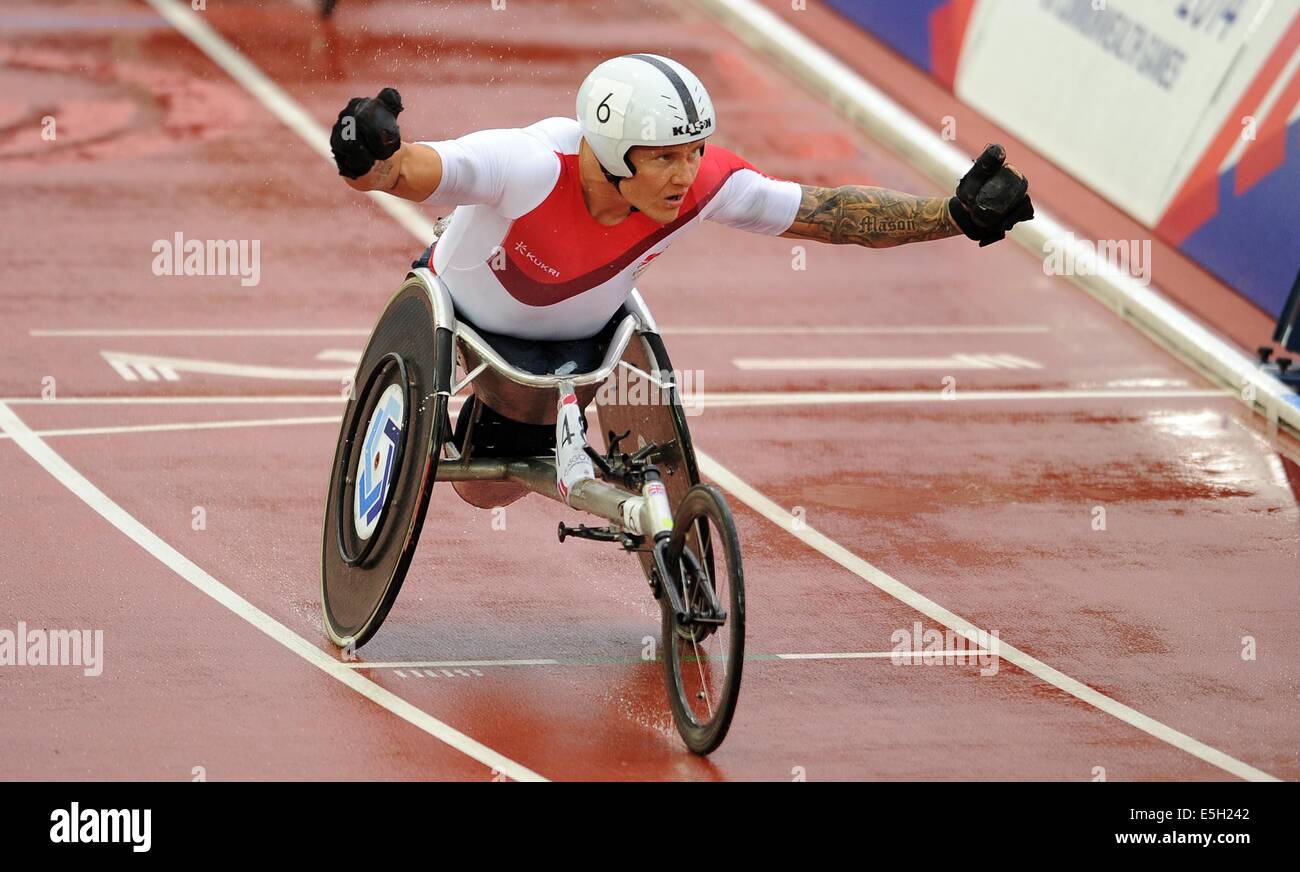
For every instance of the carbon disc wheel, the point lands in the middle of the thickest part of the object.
(384, 467)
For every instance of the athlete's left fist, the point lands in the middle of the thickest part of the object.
(991, 198)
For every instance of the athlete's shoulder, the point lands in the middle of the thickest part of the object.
(727, 162)
(719, 158)
(511, 168)
(740, 195)
(717, 166)
(557, 133)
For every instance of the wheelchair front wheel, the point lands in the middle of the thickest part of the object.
(704, 654)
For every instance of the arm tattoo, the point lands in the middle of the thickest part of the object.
(874, 217)
(385, 178)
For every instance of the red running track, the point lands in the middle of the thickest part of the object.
(985, 505)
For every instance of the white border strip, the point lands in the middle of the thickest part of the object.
(110, 511)
(827, 547)
(870, 109)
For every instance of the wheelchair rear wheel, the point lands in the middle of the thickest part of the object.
(384, 467)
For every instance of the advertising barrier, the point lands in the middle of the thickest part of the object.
(1183, 113)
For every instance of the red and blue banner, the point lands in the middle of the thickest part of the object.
(1183, 113)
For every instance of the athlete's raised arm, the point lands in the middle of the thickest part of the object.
(412, 173)
(874, 217)
(370, 155)
(991, 198)
(509, 169)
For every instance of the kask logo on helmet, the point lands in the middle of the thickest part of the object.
(693, 128)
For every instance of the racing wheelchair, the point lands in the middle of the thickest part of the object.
(522, 429)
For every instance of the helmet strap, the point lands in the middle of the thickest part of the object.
(614, 180)
(610, 177)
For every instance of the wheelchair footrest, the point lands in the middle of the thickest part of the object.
(582, 531)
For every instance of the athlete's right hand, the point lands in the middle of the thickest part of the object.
(366, 131)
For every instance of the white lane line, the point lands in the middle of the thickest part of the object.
(135, 371)
(280, 104)
(951, 362)
(198, 425)
(342, 355)
(132, 367)
(718, 399)
(201, 331)
(710, 400)
(890, 655)
(697, 330)
(110, 511)
(179, 400)
(606, 661)
(438, 664)
(851, 330)
(888, 584)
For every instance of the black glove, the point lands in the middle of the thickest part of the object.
(991, 198)
(366, 131)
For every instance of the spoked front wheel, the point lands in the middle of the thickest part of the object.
(704, 650)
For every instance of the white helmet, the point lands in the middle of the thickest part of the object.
(641, 99)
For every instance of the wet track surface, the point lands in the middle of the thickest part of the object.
(983, 497)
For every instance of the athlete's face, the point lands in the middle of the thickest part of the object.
(663, 175)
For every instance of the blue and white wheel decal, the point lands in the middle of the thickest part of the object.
(375, 466)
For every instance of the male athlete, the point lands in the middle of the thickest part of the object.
(557, 220)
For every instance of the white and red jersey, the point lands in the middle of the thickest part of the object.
(522, 256)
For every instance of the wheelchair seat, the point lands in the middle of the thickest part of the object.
(518, 378)
(547, 357)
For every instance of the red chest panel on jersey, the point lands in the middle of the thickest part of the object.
(558, 250)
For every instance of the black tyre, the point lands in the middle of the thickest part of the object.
(703, 662)
(384, 467)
